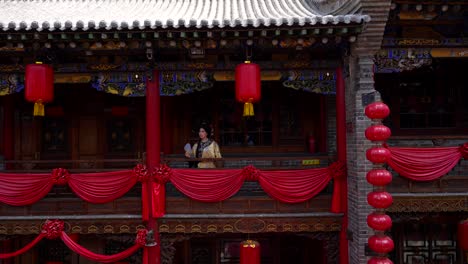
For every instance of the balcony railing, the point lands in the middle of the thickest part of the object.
(250, 199)
(95, 165)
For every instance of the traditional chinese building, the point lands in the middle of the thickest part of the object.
(133, 80)
(419, 74)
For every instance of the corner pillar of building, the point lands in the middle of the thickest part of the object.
(362, 92)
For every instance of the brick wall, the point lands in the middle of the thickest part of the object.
(359, 81)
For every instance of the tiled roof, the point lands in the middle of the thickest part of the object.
(133, 14)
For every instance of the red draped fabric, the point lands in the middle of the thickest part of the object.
(424, 164)
(288, 186)
(102, 187)
(294, 186)
(24, 189)
(53, 229)
(24, 249)
(98, 257)
(207, 185)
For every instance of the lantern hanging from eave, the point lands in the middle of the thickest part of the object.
(39, 86)
(250, 252)
(248, 86)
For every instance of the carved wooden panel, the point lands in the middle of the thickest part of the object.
(270, 224)
(423, 242)
(120, 135)
(88, 136)
(429, 204)
(54, 135)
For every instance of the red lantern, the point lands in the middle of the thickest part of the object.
(248, 85)
(378, 133)
(39, 86)
(379, 222)
(379, 177)
(379, 260)
(378, 155)
(377, 110)
(380, 200)
(249, 252)
(463, 235)
(381, 244)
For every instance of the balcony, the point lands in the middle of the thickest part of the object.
(250, 199)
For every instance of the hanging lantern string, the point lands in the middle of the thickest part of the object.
(248, 54)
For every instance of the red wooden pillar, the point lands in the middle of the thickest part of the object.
(153, 158)
(341, 153)
(8, 139)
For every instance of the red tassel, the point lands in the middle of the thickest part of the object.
(159, 199)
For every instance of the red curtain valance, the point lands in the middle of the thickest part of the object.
(102, 187)
(425, 164)
(53, 229)
(288, 186)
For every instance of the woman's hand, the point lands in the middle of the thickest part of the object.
(188, 154)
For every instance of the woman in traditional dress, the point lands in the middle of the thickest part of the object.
(205, 148)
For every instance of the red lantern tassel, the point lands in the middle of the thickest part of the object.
(248, 109)
(250, 252)
(38, 108)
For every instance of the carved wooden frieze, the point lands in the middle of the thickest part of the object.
(28, 227)
(430, 204)
(250, 225)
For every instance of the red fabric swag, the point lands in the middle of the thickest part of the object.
(102, 187)
(53, 229)
(207, 185)
(424, 164)
(24, 249)
(288, 186)
(98, 257)
(24, 189)
(294, 186)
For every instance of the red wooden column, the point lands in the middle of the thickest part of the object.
(341, 153)
(153, 157)
(8, 139)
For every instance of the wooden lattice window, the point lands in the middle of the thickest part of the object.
(427, 244)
